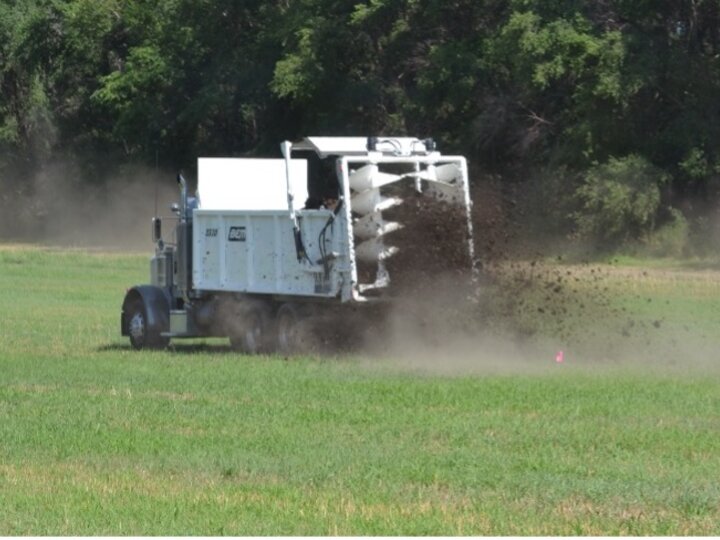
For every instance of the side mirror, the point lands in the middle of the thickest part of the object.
(157, 229)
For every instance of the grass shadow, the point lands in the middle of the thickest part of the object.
(185, 348)
(218, 346)
(204, 348)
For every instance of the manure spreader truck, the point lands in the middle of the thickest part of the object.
(267, 244)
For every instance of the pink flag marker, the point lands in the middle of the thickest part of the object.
(559, 357)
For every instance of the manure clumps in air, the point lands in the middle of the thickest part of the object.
(520, 305)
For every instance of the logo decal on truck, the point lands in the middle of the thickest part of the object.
(236, 234)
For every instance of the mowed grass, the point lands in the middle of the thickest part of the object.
(97, 439)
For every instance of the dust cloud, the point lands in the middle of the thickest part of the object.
(59, 209)
(491, 327)
(526, 311)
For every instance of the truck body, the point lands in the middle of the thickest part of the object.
(268, 242)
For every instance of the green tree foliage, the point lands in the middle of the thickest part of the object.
(192, 79)
(619, 199)
(516, 85)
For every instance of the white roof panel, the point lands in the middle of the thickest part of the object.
(250, 183)
(352, 146)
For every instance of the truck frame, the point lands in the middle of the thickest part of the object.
(267, 243)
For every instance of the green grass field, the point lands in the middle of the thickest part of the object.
(97, 439)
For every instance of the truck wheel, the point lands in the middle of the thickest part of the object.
(140, 336)
(251, 338)
(288, 332)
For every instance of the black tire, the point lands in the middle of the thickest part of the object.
(286, 329)
(141, 337)
(251, 337)
(293, 333)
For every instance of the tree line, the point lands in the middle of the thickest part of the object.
(609, 107)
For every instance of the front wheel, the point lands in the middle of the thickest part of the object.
(141, 337)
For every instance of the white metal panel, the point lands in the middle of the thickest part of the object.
(333, 146)
(253, 252)
(250, 183)
(355, 146)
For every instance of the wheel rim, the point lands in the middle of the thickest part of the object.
(136, 327)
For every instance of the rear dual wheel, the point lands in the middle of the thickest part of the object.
(287, 330)
(251, 337)
(255, 330)
(294, 331)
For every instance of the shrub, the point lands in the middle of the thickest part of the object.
(618, 200)
(671, 239)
